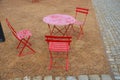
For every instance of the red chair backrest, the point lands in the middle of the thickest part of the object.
(9, 25)
(58, 39)
(82, 11)
(11, 28)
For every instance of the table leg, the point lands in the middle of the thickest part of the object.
(52, 29)
(66, 29)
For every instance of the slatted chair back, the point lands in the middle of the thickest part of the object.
(58, 44)
(10, 26)
(58, 39)
(82, 11)
(12, 29)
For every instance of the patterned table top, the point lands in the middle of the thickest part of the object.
(59, 19)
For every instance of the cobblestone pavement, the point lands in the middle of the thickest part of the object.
(108, 16)
(80, 77)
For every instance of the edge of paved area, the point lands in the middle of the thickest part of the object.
(94, 7)
(80, 77)
(108, 20)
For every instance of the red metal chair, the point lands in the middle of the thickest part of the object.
(59, 47)
(23, 37)
(82, 19)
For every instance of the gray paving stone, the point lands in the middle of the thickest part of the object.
(37, 78)
(71, 78)
(27, 78)
(106, 77)
(60, 78)
(83, 77)
(116, 73)
(94, 77)
(17, 79)
(108, 51)
(117, 77)
(111, 59)
(112, 63)
(48, 78)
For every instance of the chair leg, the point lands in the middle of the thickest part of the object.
(25, 42)
(30, 48)
(81, 29)
(51, 61)
(19, 44)
(81, 33)
(28, 42)
(20, 53)
(67, 62)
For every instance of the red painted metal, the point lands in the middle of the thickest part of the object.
(78, 22)
(23, 37)
(58, 44)
(59, 23)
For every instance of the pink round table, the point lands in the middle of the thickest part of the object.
(59, 20)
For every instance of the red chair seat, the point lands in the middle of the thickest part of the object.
(23, 34)
(58, 46)
(78, 23)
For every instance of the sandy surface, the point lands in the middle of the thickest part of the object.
(87, 55)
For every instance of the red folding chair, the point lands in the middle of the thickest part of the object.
(35, 1)
(59, 47)
(23, 37)
(81, 19)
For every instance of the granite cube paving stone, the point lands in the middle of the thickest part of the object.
(48, 78)
(118, 66)
(109, 21)
(83, 77)
(71, 78)
(116, 73)
(117, 62)
(60, 78)
(106, 77)
(27, 78)
(111, 59)
(117, 77)
(114, 66)
(17, 79)
(37, 78)
(94, 77)
(80, 77)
